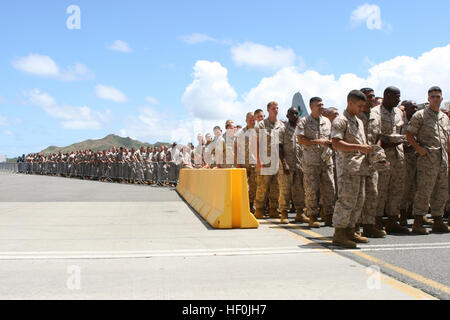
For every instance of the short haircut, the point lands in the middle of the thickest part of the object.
(366, 90)
(332, 109)
(434, 89)
(228, 123)
(217, 128)
(258, 111)
(249, 114)
(272, 103)
(378, 98)
(314, 99)
(356, 95)
(391, 89)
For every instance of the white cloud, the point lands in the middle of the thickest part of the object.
(210, 95)
(71, 117)
(368, 13)
(151, 100)
(120, 46)
(110, 93)
(411, 75)
(210, 98)
(44, 66)
(38, 65)
(195, 38)
(258, 55)
(151, 125)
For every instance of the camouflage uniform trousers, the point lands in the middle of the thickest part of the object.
(318, 182)
(432, 185)
(350, 203)
(72, 169)
(410, 179)
(371, 198)
(109, 167)
(173, 172)
(263, 184)
(139, 175)
(391, 184)
(155, 171)
(147, 171)
(131, 170)
(251, 181)
(121, 170)
(162, 172)
(291, 187)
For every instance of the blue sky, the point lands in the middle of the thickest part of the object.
(193, 64)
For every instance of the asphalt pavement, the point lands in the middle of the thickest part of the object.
(418, 260)
(74, 239)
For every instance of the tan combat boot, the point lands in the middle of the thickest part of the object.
(328, 219)
(370, 231)
(284, 217)
(355, 237)
(301, 217)
(313, 223)
(392, 226)
(259, 213)
(418, 226)
(273, 213)
(427, 222)
(439, 226)
(340, 239)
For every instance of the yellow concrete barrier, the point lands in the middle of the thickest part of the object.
(220, 196)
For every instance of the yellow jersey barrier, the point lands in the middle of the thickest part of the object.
(220, 196)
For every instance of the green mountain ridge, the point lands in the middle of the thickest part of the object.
(106, 143)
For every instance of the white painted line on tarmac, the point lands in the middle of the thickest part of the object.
(403, 248)
(200, 250)
(405, 244)
(125, 255)
(60, 255)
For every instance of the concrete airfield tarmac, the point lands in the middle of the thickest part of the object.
(66, 238)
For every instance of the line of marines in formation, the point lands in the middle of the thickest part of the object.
(375, 166)
(118, 164)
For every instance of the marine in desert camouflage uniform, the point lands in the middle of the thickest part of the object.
(268, 163)
(372, 130)
(290, 177)
(391, 182)
(314, 134)
(349, 139)
(428, 133)
(245, 153)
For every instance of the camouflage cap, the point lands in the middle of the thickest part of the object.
(394, 138)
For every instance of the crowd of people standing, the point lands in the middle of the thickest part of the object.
(375, 166)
